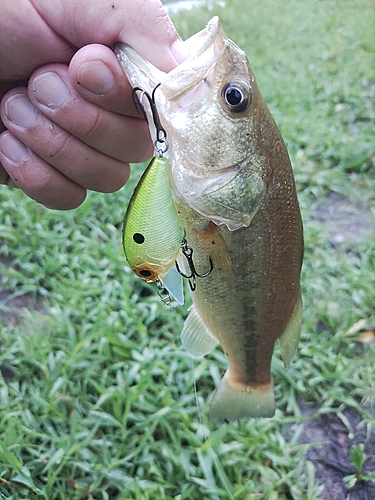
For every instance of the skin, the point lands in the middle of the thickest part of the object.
(68, 122)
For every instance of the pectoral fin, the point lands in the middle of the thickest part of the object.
(290, 337)
(196, 337)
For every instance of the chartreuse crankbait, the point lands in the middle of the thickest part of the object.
(152, 233)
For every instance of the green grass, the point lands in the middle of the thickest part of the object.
(97, 399)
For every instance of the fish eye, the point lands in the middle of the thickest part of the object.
(237, 96)
(138, 238)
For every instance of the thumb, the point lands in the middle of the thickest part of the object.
(153, 35)
(143, 24)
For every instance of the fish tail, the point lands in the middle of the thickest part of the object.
(233, 401)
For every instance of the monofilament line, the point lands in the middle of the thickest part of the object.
(214, 459)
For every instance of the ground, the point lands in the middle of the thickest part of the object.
(331, 436)
(334, 437)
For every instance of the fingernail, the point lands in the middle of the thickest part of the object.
(50, 90)
(13, 149)
(18, 109)
(96, 77)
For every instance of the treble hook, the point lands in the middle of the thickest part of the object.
(188, 253)
(161, 143)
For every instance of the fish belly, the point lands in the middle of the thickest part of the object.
(250, 299)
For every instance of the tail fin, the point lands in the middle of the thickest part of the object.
(233, 401)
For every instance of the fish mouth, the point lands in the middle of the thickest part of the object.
(186, 82)
(204, 48)
(198, 43)
(213, 57)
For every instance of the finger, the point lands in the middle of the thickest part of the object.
(4, 177)
(97, 76)
(143, 24)
(121, 137)
(37, 178)
(73, 158)
(27, 41)
(151, 33)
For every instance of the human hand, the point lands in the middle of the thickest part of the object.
(68, 120)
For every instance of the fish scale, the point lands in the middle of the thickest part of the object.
(234, 192)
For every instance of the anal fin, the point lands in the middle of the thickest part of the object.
(290, 337)
(196, 337)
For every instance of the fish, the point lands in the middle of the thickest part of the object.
(234, 191)
(152, 233)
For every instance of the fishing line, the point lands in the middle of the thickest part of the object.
(205, 436)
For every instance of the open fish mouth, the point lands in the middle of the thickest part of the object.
(203, 48)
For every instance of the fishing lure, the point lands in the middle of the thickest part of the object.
(152, 233)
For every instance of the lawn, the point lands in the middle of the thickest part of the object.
(97, 395)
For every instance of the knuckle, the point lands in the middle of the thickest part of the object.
(117, 181)
(58, 146)
(36, 186)
(91, 125)
(52, 192)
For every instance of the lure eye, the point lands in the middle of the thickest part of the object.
(138, 238)
(237, 96)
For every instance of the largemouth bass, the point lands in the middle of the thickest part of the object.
(234, 191)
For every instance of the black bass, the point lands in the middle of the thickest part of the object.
(234, 191)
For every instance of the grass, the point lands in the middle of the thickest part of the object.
(97, 398)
